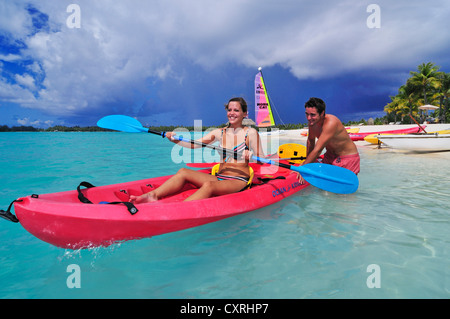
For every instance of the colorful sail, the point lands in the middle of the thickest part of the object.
(263, 112)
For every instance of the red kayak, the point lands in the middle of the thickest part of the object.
(63, 220)
(361, 136)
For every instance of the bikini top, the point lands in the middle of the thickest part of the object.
(237, 148)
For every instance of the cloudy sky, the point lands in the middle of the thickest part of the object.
(176, 61)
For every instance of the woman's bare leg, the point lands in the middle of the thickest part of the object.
(217, 188)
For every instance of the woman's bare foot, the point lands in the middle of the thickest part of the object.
(144, 198)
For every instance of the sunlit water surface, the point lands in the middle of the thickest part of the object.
(314, 244)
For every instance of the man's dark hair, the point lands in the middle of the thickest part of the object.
(319, 104)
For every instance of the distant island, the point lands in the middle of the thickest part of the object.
(57, 128)
(60, 128)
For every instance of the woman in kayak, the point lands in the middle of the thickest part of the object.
(232, 174)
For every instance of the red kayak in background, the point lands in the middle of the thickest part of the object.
(360, 136)
(63, 220)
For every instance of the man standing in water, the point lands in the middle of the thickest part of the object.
(331, 135)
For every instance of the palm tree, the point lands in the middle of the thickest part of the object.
(426, 86)
(426, 78)
(394, 107)
(405, 102)
(408, 99)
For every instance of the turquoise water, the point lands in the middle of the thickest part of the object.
(313, 244)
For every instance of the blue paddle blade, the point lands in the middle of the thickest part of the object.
(329, 177)
(121, 123)
(324, 176)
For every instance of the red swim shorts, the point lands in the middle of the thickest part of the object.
(350, 162)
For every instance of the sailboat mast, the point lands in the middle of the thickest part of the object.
(263, 112)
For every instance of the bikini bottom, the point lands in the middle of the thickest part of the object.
(222, 177)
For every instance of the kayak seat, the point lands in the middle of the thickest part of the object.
(263, 179)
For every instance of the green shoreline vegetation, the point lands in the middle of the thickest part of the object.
(60, 128)
(425, 86)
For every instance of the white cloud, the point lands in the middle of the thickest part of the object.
(124, 46)
(14, 93)
(10, 57)
(36, 123)
(14, 19)
(26, 80)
